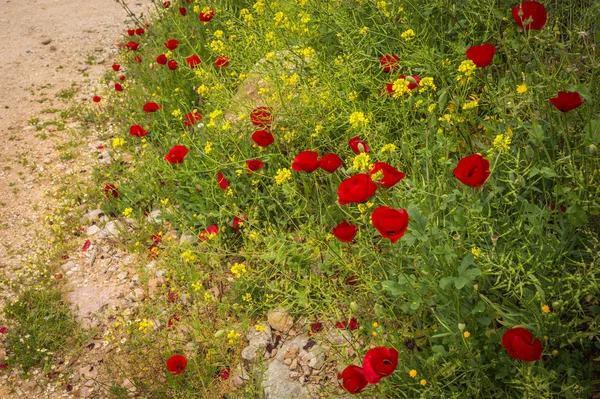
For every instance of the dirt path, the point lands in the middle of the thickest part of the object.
(53, 53)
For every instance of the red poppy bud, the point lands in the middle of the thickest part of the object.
(330, 162)
(356, 189)
(353, 379)
(472, 170)
(261, 117)
(223, 183)
(118, 87)
(519, 344)
(176, 154)
(389, 62)
(151, 107)
(140, 31)
(482, 55)
(566, 100)
(161, 59)
(191, 118)
(263, 138)
(131, 32)
(171, 44)
(306, 161)
(193, 61)
(390, 223)
(345, 232)
(254, 164)
(132, 46)
(530, 15)
(358, 145)
(116, 67)
(207, 16)
(172, 64)
(378, 363)
(137, 131)
(391, 175)
(182, 11)
(176, 364)
(222, 61)
(122, 77)
(96, 99)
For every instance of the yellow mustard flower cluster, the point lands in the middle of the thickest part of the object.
(362, 208)
(408, 35)
(358, 119)
(188, 256)
(470, 105)
(232, 337)
(247, 297)
(208, 147)
(117, 142)
(146, 325)
(214, 115)
(502, 142)
(238, 269)
(282, 176)
(361, 162)
(127, 212)
(400, 88)
(388, 148)
(427, 83)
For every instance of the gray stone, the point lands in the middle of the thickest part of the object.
(122, 275)
(188, 238)
(280, 320)
(112, 228)
(68, 266)
(339, 337)
(277, 385)
(93, 229)
(154, 216)
(257, 342)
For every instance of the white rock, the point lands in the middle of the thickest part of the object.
(280, 320)
(154, 216)
(258, 341)
(93, 229)
(68, 266)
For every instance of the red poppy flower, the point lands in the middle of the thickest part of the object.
(156, 238)
(263, 138)
(390, 223)
(358, 145)
(315, 328)
(412, 83)
(207, 16)
(182, 11)
(254, 164)
(96, 99)
(357, 189)
(137, 59)
(172, 321)
(482, 55)
(122, 77)
(530, 15)
(118, 87)
(86, 245)
(3, 366)
(345, 232)
(140, 31)
(472, 170)
(519, 344)
(389, 62)
(567, 100)
(193, 61)
(151, 107)
(222, 61)
(172, 296)
(137, 131)
(261, 117)
(378, 363)
(223, 183)
(351, 325)
(161, 59)
(176, 364)
(353, 379)
(224, 374)
(116, 67)
(172, 64)
(172, 44)
(191, 118)
(330, 162)
(237, 221)
(132, 45)
(3, 330)
(166, 4)
(306, 161)
(176, 154)
(391, 175)
(131, 32)
(111, 189)
(212, 229)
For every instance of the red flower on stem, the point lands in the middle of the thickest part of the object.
(131, 32)
(212, 229)
(222, 61)
(176, 364)
(237, 222)
(351, 325)
(122, 77)
(315, 328)
(482, 55)
(353, 379)
(224, 374)
(166, 4)
(207, 16)
(472, 170)
(306, 161)
(223, 183)
(566, 100)
(378, 363)
(530, 15)
(152, 107)
(176, 154)
(161, 59)
(263, 138)
(172, 44)
(116, 67)
(345, 232)
(191, 118)
(358, 145)
(137, 131)
(413, 83)
(140, 31)
(254, 164)
(390, 223)
(132, 45)
(118, 87)
(111, 190)
(519, 344)
(261, 117)
(172, 321)
(182, 11)
(193, 61)
(96, 99)
(357, 189)
(172, 64)
(330, 162)
(389, 62)
(391, 175)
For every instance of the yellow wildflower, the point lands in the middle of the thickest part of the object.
(467, 67)
(238, 269)
(388, 147)
(412, 373)
(502, 142)
(427, 84)
(117, 142)
(423, 382)
(282, 176)
(466, 334)
(208, 147)
(357, 119)
(521, 89)
(361, 162)
(546, 309)
(127, 212)
(408, 34)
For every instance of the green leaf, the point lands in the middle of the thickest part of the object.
(460, 282)
(467, 261)
(393, 287)
(445, 281)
